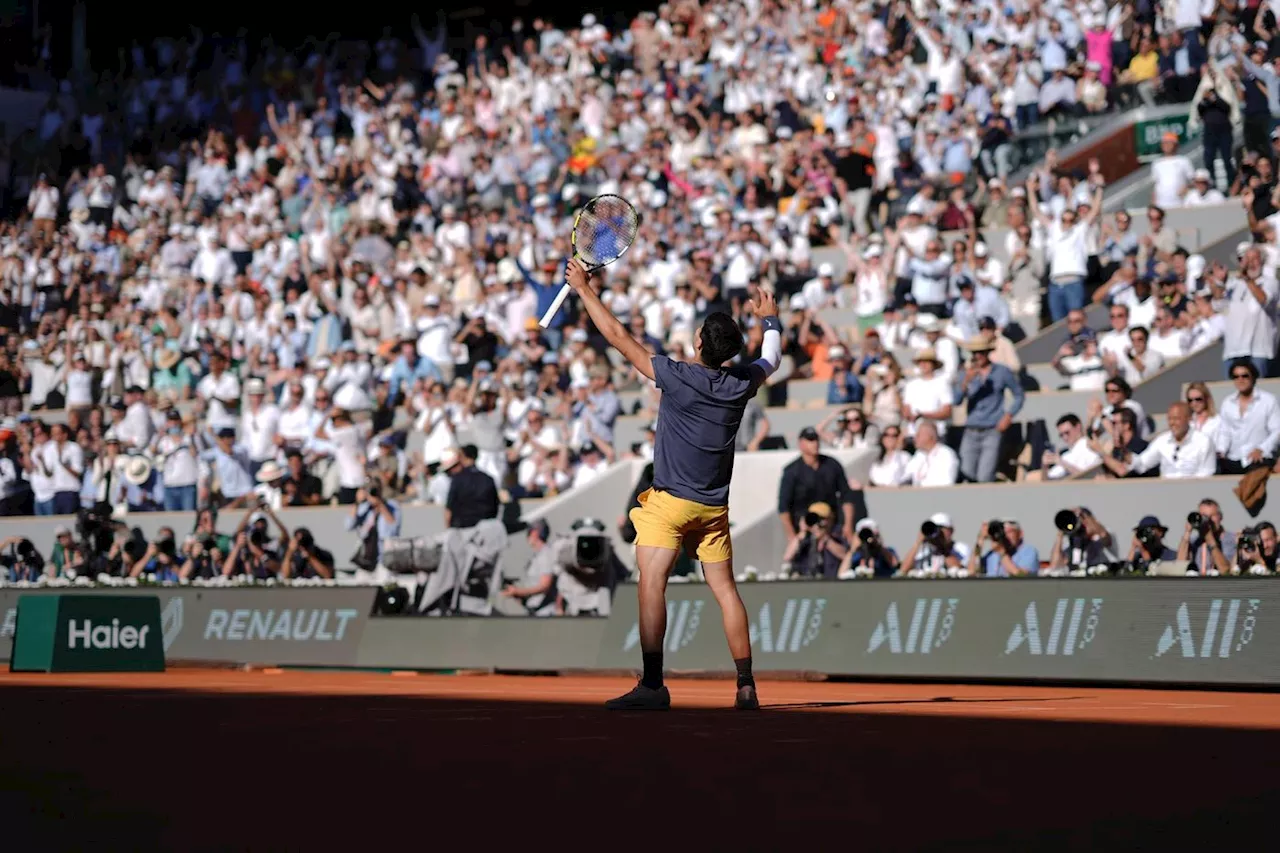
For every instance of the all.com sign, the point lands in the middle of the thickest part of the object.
(784, 627)
(1225, 627)
(931, 624)
(1071, 626)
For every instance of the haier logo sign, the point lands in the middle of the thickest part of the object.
(1067, 634)
(932, 620)
(798, 625)
(86, 634)
(1219, 635)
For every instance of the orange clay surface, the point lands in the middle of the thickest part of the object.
(271, 760)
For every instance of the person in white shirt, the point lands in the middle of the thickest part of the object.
(934, 463)
(1085, 370)
(63, 461)
(349, 440)
(591, 465)
(1078, 458)
(1166, 338)
(221, 392)
(1178, 452)
(1172, 174)
(42, 204)
(927, 397)
(1202, 191)
(891, 468)
(137, 428)
(1204, 413)
(1139, 362)
(1067, 247)
(1250, 329)
(1113, 343)
(1250, 422)
(177, 457)
(79, 383)
(259, 425)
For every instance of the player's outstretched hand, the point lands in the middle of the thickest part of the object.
(765, 305)
(576, 274)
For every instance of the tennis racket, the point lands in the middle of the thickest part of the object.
(603, 230)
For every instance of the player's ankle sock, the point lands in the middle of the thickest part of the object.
(745, 678)
(652, 670)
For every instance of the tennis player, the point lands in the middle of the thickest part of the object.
(688, 505)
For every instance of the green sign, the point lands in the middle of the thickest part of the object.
(88, 633)
(1149, 133)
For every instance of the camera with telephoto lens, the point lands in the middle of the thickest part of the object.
(812, 519)
(1249, 540)
(1150, 537)
(995, 530)
(1198, 523)
(869, 539)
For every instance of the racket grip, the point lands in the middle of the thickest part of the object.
(555, 306)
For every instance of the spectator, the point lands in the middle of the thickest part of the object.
(927, 398)
(1178, 452)
(1250, 329)
(472, 497)
(1203, 417)
(983, 387)
(814, 478)
(892, 466)
(1077, 458)
(1249, 427)
(934, 463)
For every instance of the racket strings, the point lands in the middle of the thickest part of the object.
(605, 229)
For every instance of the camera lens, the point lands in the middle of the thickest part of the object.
(1066, 521)
(1195, 519)
(929, 529)
(812, 519)
(995, 529)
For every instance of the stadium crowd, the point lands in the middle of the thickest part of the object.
(282, 278)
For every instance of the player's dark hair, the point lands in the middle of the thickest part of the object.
(721, 339)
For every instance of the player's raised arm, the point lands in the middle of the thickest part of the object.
(610, 326)
(766, 308)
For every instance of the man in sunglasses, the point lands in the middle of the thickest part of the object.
(1250, 422)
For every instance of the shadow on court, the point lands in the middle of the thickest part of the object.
(168, 770)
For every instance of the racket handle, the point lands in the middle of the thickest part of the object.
(555, 306)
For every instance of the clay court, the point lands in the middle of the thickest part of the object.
(271, 760)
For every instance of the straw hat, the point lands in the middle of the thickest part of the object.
(270, 472)
(979, 344)
(137, 470)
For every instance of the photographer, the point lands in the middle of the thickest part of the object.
(304, 559)
(872, 558)
(537, 592)
(67, 556)
(1009, 556)
(1210, 549)
(1251, 551)
(817, 550)
(1148, 545)
(1083, 543)
(935, 552)
(374, 520)
(250, 556)
(201, 557)
(21, 559)
(160, 559)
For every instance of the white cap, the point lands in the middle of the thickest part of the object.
(866, 524)
(980, 250)
(835, 352)
(255, 386)
(941, 519)
(1201, 175)
(798, 303)
(927, 323)
(826, 271)
(431, 299)
(875, 250)
(578, 336)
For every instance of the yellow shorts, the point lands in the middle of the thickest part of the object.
(665, 521)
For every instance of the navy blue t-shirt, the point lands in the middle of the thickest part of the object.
(698, 421)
